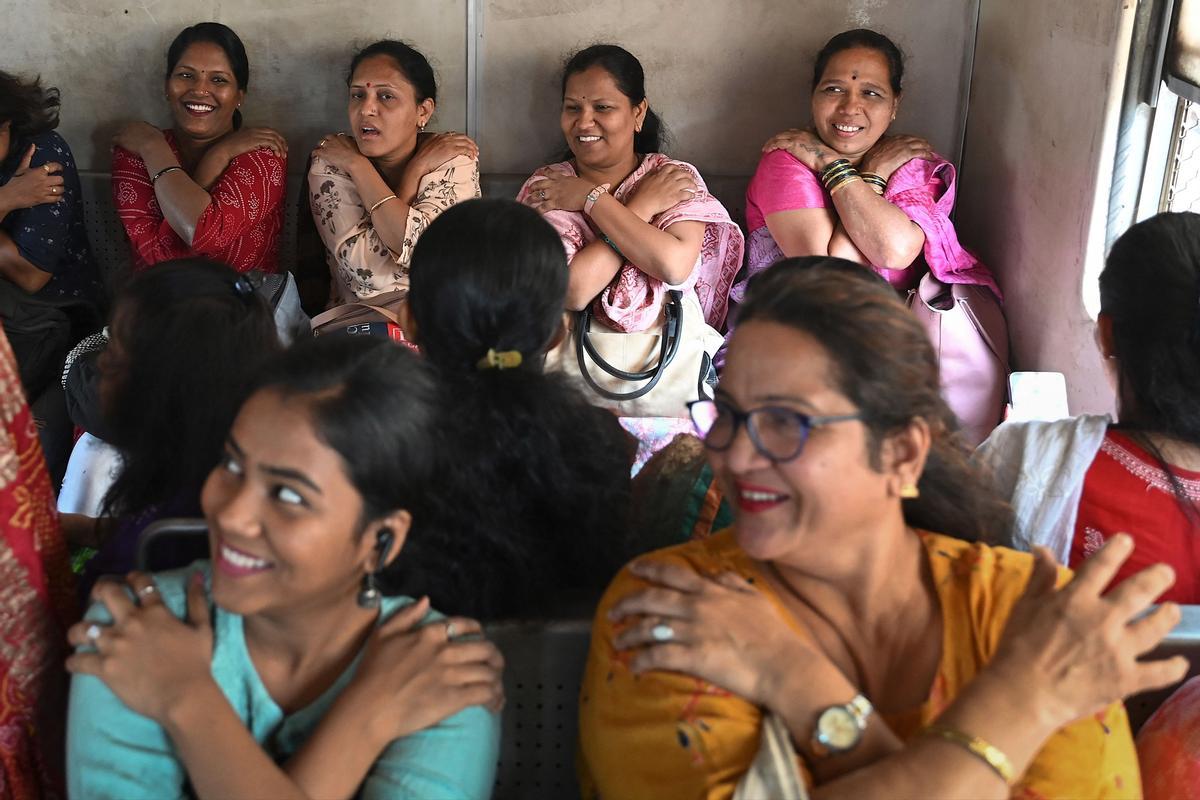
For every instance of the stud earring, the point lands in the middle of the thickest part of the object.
(909, 491)
(369, 595)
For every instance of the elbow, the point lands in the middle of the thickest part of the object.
(898, 257)
(577, 299)
(674, 271)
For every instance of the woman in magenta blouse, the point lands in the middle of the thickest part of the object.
(845, 188)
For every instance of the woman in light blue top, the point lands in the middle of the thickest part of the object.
(278, 670)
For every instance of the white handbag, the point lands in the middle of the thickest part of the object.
(653, 373)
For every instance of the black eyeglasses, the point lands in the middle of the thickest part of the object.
(776, 432)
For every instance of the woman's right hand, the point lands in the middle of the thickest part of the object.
(413, 676)
(247, 140)
(33, 186)
(1077, 647)
(663, 187)
(805, 145)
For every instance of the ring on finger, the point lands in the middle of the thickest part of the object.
(147, 591)
(662, 632)
(92, 633)
(322, 143)
(542, 193)
(451, 631)
(47, 168)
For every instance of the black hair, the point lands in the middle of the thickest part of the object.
(411, 63)
(372, 402)
(1150, 289)
(627, 73)
(187, 337)
(872, 40)
(850, 311)
(533, 498)
(31, 109)
(223, 37)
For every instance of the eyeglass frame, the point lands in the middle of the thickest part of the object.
(807, 424)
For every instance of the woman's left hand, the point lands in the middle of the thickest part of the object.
(137, 137)
(721, 629)
(340, 150)
(805, 145)
(551, 191)
(890, 153)
(148, 657)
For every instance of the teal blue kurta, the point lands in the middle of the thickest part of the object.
(113, 752)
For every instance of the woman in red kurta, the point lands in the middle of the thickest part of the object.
(36, 605)
(1126, 490)
(207, 186)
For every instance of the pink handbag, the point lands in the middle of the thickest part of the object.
(970, 335)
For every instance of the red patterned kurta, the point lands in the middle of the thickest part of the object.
(240, 226)
(1125, 491)
(36, 605)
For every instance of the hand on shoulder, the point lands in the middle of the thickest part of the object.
(137, 137)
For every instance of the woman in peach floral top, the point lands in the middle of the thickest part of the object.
(375, 190)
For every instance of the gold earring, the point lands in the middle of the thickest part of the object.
(909, 491)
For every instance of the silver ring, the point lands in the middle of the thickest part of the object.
(662, 632)
(93, 632)
(450, 631)
(542, 193)
(147, 590)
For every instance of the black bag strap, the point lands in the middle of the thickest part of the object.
(668, 347)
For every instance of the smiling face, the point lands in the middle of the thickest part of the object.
(783, 510)
(203, 93)
(283, 517)
(598, 120)
(853, 103)
(385, 116)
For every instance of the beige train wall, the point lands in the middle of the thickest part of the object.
(1036, 170)
(724, 76)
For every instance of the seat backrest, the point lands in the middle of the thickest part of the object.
(1183, 640)
(543, 669)
(172, 543)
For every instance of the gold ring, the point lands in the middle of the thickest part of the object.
(47, 168)
(322, 144)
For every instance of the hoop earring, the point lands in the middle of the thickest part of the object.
(369, 595)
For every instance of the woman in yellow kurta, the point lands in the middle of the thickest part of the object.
(828, 593)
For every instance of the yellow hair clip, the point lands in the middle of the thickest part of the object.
(505, 359)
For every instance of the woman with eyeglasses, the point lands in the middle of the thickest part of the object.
(855, 610)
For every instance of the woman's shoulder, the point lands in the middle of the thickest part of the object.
(717, 553)
(262, 161)
(990, 577)
(51, 146)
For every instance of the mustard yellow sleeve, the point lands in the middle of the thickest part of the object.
(661, 734)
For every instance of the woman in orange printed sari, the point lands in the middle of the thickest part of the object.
(852, 630)
(36, 605)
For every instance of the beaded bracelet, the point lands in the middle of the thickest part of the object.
(991, 755)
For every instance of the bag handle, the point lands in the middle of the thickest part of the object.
(338, 312)
(669, 346)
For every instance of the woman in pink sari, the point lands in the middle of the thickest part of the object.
(36, 605)
(844, 188)
(635, 223)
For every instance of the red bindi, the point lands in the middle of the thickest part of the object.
(368, 84)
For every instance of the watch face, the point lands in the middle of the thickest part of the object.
(837, 729)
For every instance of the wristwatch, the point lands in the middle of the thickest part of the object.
(840, 728)
(593, 196)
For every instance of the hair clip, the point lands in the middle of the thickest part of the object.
(242, 287)
(505, 359)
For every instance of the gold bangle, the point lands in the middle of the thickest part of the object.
(843, 184)
(990, 754)
(371, 210)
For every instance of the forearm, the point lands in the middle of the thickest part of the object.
(16, 269)
(389, 220)
(990, 708)
(222, 759)
(180, 197)
(883, 233)
(591, 269)
(660, 254)
(336, 758)
(842, 246)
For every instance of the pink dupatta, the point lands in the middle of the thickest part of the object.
(633, 301)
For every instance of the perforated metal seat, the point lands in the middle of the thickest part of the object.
(543, 670)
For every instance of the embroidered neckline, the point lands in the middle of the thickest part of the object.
(1152, 475)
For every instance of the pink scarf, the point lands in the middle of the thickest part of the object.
(633, 301)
